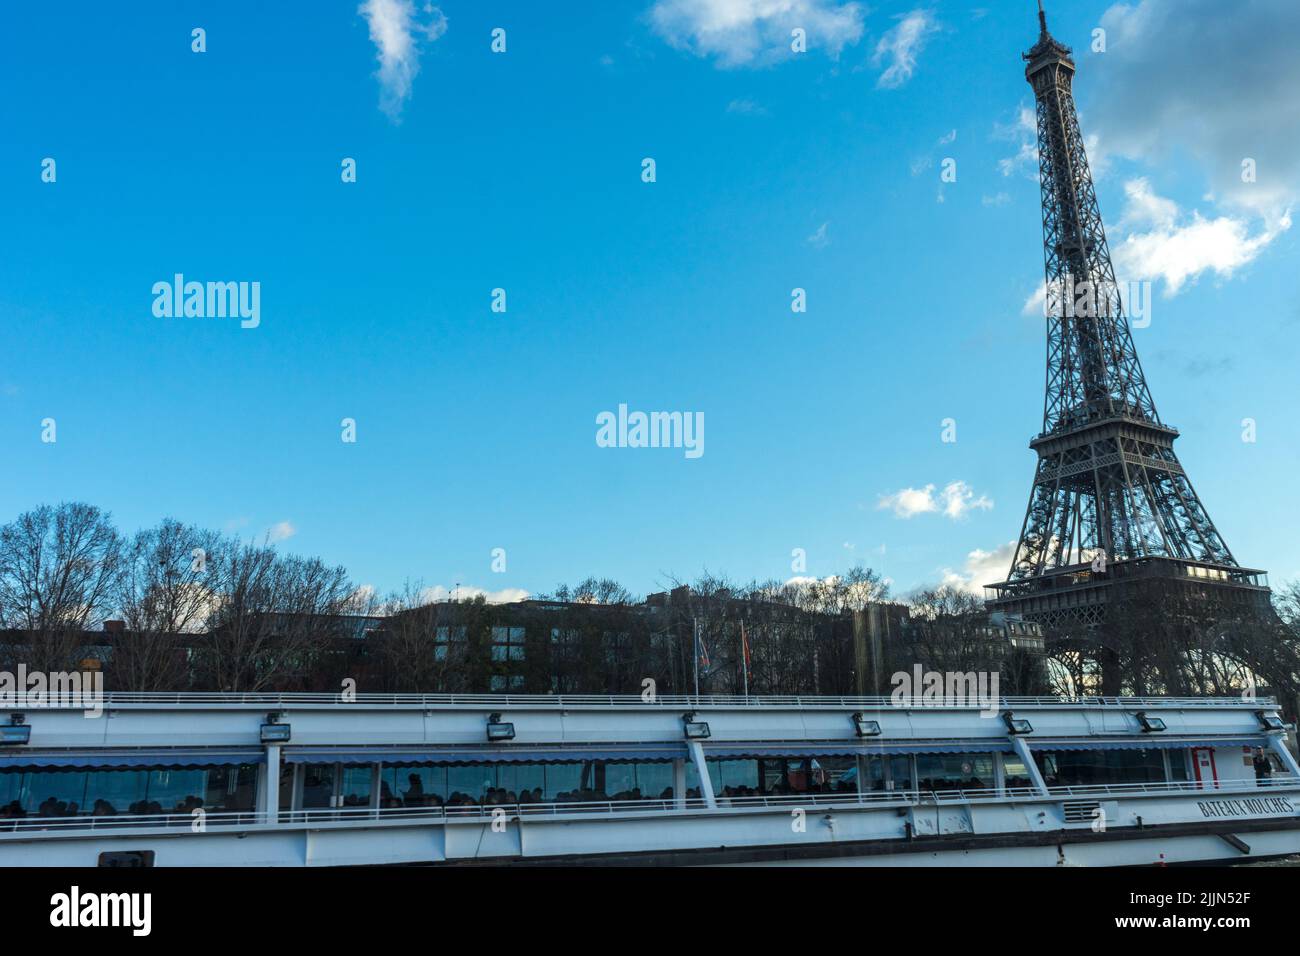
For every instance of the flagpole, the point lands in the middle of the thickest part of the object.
(744, 657)
(695, 653)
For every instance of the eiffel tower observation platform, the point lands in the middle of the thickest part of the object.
(1081, 593)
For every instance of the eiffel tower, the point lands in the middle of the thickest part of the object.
(1112, 511)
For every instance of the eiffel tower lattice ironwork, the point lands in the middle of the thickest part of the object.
(1110, 502)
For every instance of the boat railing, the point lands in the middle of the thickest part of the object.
(805, 802)
(562, 701)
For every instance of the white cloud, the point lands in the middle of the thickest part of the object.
(959, 499)
(1165, 244)
(755, 32)
(955, 501)
(281, 531)
(1023, 132)
(901, 45)
(1001, 199)
(466, 592)
(909, 502)
(819, 239)
(1036, 304)
(1210, 80)
(396, 29)
(746, 108)
(981, 568)
(948, 138)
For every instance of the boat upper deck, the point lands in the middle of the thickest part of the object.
(190, 721)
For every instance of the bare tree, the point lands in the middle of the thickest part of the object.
(851, 591)
(165, 598)
(58, 569)
(273, 617)
(406, 649)
(591, 591)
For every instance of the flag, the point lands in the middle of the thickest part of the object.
(703, 651)
(744, 645)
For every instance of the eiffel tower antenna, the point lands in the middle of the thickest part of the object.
(1111, 506)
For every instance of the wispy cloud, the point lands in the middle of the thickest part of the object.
(467, 592)
(397, 30)
(281, 531)
(819, 239)
(955, 501)
(746, 108)
(755, 32)
(1024, 133)
(899, 48)
(981, 568)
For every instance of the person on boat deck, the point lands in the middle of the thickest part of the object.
(1263, 769)
(414, 797)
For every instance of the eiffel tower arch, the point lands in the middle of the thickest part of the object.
(1113, 521)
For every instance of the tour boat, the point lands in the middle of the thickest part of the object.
(321, 780)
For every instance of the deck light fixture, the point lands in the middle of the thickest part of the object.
(695, 729)
(865, 728)
(1269, 721)
(274, 732)
(17, 731)
(1016, 725)
(1150, 725)
(498, 729)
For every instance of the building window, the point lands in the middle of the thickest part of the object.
(507, 643)
(444, 638)
(506, 682)
(618, 647)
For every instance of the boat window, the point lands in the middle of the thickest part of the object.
(1081, 768)
(509, 784)
(954, 771)
(356, 787)
(317, 785)
(1178, 765)
(59, 793)
(1015, 774)
(900, 771)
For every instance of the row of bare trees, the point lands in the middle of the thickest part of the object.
(195, 606)
(199, 609)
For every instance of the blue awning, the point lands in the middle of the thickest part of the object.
(1145, 742)
(114, 759)
(856, 748)
(505, 753)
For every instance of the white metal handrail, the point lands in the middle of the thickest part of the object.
(561, 701)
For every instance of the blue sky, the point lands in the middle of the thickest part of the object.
(522, 170)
